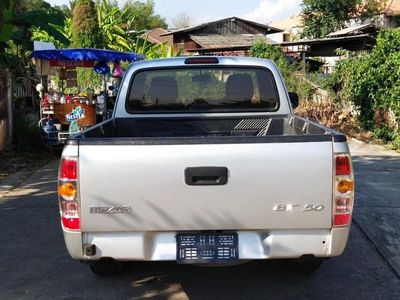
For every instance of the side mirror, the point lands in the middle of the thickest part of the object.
(294, 99)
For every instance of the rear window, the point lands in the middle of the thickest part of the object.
(202, 90)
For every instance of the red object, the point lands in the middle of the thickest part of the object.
(71, 223)
(71, 63)
(343, 165)
(68, 99)
(342, 220)
(69, 169)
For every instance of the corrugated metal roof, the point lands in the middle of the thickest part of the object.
(190, 29)
(353, 30)
(220, 41)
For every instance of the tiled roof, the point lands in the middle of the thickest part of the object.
(220, 41)
(155, 36)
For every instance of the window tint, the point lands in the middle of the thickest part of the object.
(203, 90)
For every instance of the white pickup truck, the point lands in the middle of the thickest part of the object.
(204, 162)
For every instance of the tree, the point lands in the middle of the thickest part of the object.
(275, 53)
(371, 81)
(323, 17)
(17, 21)
(86, 34)
(182, 20)
(140, 15)
(85, 28)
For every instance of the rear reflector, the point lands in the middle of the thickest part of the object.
(71, 223)
(68, 169)
(342, 220)
(201, 60)
(343, 166)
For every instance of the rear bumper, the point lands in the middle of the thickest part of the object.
(161, 246)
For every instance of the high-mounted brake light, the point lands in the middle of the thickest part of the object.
(343, 196)
(201, 60)
(68, 194)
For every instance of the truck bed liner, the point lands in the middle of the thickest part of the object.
(209, 130)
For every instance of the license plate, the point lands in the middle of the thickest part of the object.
(207, 248)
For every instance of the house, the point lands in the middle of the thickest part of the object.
(291, 29)
(157, 36)
(229, 36)
(354, 38)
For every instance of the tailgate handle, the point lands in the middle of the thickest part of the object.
(206, 176)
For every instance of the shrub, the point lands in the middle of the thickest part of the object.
(372, 83)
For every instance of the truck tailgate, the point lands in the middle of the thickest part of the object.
(269, 186)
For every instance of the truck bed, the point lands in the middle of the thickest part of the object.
(252, 129)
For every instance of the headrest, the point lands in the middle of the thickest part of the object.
(163, 90)
(239, 87)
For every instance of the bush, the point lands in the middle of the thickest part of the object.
(294, 83)
(26, 133)
(372, 83)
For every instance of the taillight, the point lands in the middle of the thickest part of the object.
(68, 194)
(343, 196)
(68, 169)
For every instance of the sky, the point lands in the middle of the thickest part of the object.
(261, 11)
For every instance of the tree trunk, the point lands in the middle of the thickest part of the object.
(3, 110)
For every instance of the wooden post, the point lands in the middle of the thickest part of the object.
(9, 107)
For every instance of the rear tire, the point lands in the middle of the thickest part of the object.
(106, 267)
(305, 265)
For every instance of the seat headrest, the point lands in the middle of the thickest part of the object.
(239, 87)
(163, 90)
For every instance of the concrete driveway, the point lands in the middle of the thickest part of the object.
(34, 263)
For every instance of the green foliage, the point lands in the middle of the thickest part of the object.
(26, 133)
(89, 80)
(301, 87)
(115, 25)
(141, 15)
(64, 30)
(85, 27)
(294, 83)
(323, 17)
(18, 19)
(261, 49)
(372, 83)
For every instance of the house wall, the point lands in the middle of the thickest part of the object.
(184, 42)
(231, 26)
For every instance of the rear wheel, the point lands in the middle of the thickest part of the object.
(106, 267)
(306, 264)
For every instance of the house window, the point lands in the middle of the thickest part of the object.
(286, 37)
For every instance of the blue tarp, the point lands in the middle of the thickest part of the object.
(87, 54)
